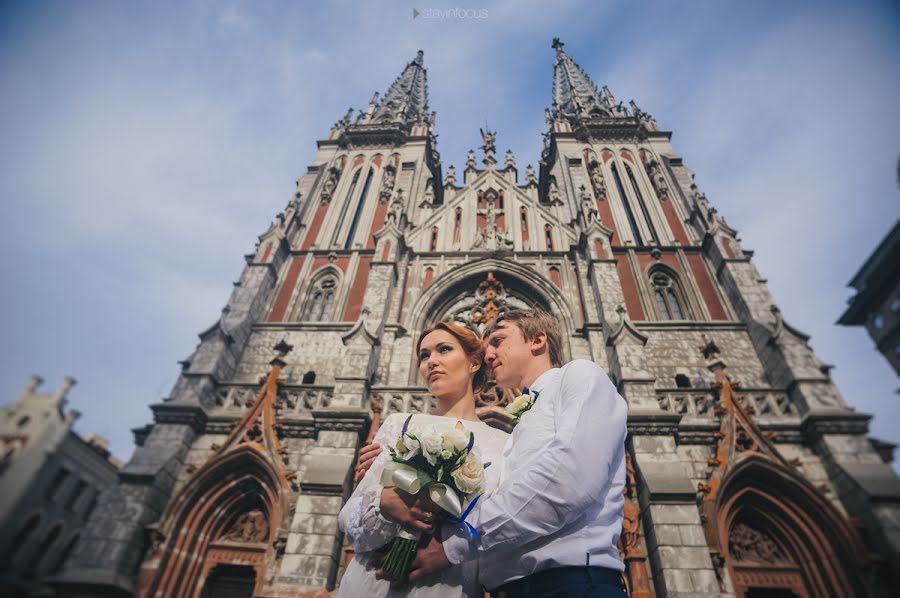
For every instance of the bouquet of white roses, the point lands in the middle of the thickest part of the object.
(438, 458)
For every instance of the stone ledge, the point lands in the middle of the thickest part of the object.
(175, 413)
(815, 425)
(85, 582)
(653, 423)
(325, 474)
(877, 480)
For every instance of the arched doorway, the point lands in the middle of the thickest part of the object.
(230, 581)
(781, 538)
(225, 517)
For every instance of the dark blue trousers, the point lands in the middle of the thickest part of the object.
(566, 582)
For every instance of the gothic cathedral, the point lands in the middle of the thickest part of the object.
(748, 473)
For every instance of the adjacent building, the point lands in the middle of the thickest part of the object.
(50, 482)
(876, 304)
(749, 474)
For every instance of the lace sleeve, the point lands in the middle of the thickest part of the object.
(361, 518)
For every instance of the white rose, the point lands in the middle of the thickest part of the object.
(456, 439)
(469, 477)
(520, 403)
(408, 447)
(430, 441)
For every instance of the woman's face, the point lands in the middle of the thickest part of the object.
(444, 366)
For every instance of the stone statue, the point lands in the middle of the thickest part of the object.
(396, 209)
(489, 137)
(490, 237)
(387, 182)
(597, 181)
(588, 207)
(330, 183)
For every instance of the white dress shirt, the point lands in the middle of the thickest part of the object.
(560, 501)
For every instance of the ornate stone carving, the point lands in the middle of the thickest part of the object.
(530, 178)
(250, 527)
(510, 159)
(630, 541)
(491, 301)
(752, 545)
(451, 177)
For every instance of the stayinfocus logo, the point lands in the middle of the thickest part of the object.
(443, 14)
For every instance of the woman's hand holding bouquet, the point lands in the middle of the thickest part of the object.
(438, 460)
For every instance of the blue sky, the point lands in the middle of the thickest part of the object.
(146, 145)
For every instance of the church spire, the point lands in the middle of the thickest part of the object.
(406, 101)
(574, 94)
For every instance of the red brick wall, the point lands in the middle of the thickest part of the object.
(674, 223)
(707, 291)
(629, 288)
(358, 290)
(313, 231)
(377, 222)
(287, 288)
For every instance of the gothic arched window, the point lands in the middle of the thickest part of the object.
(457, 224)
(434, 236)
(629, 214)
(665, 289)
(641, 203)
(359, 207)
(321, 298)
(548, 236)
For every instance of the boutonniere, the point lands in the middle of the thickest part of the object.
(521, 404)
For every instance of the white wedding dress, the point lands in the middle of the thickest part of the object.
(367, 530)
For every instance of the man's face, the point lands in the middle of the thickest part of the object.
(508, 354)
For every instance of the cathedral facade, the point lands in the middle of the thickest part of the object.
(748, 473)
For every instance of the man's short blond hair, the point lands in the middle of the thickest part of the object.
(533, 322)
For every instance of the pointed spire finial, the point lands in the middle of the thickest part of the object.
(575, 96)
(406, 101)
(557, 45)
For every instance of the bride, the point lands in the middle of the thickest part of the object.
(451, 361)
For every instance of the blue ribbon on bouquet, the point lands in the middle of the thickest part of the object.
(462, 518)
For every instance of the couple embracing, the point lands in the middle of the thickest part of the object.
(551, 513)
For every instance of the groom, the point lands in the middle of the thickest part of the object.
(555, 519)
